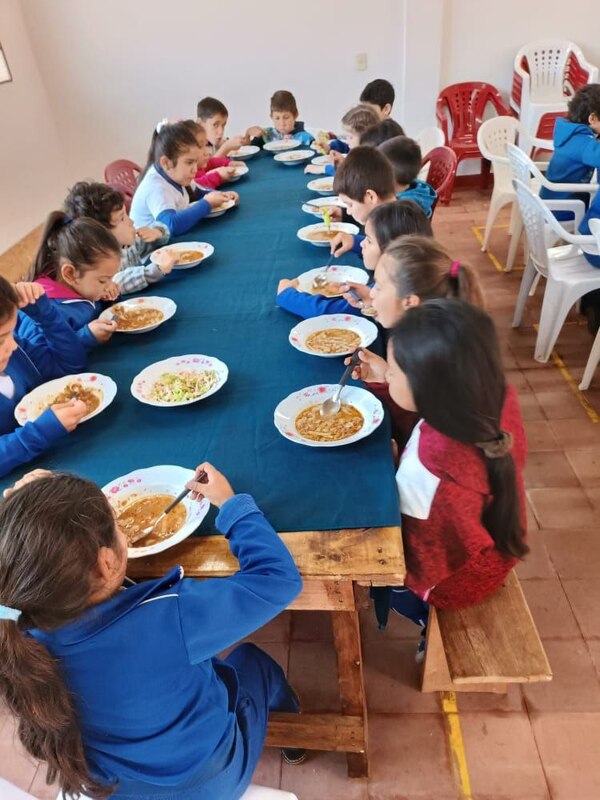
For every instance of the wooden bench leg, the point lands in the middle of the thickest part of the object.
(346, 636)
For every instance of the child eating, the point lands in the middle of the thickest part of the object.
(404, 155)
(214, 165)
(286, 125)
(379, 94)
(354, 122)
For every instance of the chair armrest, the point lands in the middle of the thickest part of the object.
(442, 119)
(542, 144)
(577, 207)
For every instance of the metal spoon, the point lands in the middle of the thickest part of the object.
(367, 311)
(202, 478)
(321, 280)
(332, 405)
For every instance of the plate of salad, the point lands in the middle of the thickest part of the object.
(179, 381)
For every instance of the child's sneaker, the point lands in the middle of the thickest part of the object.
(294, 755)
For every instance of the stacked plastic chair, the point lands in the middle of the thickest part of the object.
(123, 175)
(428, 139)
(441, 164)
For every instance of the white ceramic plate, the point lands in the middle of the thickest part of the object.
(202, 247)
(239, 173)
(217, 212)
(340, 227)
(287, 411)
(321, 161)
(163, 304)
(336, 273)
(144, 381)
(279, 145)
(315, 206)
(157, 480)
(321, 185)
(366, 330)
(245, 152)
(294, 157)
(34, 403)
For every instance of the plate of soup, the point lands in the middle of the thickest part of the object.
(298, 416)
(317, 205)
(140, 497)
(239, 173)
(220, 210)
(322, 236)
(337, 275)
(243, 153)
(280, 145)
(321, 185)
(332, 335)
(293, 157)
(140, 314)
(95, 390)
(189, 254)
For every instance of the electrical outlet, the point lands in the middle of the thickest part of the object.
(361, 61)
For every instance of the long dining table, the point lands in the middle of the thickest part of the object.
(336, 508)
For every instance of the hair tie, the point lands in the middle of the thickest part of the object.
(497, 447)
(454, 267)
(67, 219)
(6, 612)
(160, 125)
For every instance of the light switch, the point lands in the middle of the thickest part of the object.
(361, 61)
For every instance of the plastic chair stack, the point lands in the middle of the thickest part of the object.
(441, 164)
(428, 139)
(123, 175)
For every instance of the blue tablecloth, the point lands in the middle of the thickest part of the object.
(226, 308)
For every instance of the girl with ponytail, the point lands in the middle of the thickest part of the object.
(460, 476)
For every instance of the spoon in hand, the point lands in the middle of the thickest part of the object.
(322, 279)
(332, 405)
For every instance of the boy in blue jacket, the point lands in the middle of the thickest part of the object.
(136, 701)
(31, 354)
(404, 154)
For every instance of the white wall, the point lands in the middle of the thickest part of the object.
(31, 159)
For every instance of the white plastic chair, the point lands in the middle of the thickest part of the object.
(252, 793)
(542, 71)
(594, 357)
(428, 139)
(568, 274)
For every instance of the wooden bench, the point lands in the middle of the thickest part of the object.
(485, 647)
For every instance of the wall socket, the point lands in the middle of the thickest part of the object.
(360, 61)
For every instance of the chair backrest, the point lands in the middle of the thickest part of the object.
(532, 213)
(123, 172)
(465, 103)
(429, 138)
(493, 136)
(522, 167)
(545, 63)
(442, 163)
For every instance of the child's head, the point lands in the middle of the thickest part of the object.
(104, 204)
(174, 148)
(204, 145)
(388, 221)
(356, 121)
(364, 180)
(404, 154)
(444, 362)
(284, 111)
(379, 94)
(213, 115)
(79, 253)
(9, 305)
(584, 107)
(52, 587)
(413, 269)
(384, 130)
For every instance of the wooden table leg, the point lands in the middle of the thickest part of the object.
(346, 636)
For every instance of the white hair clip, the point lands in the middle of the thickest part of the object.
(9, 613)
(162, 124)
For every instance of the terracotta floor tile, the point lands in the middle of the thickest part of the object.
(530, 408)
(16, 766)
(561, 404)
(574, 553)
(561, 508)
(575, 433)
(544, 380)
(593, 646)
(532, 523)
(409, 758)
(539, 436)
(313, 674)
(569, 744)
(512, 700)
(537, 563)
(311, 626)
(323, 776)
(549, 469)
(502, 757)
(586, 465)
(514, 377)
(397, 628)
(268, 770)
(574, 685)
(594, 498)
(550, 609)
(584, 596)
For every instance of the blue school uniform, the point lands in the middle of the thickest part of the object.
(160, 714)
(307, 305)
(47, 349)
(158, 198)
(304, 137)
(422, 194)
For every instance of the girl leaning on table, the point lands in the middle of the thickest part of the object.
(460, 481)
(36, 345)
(118, 686)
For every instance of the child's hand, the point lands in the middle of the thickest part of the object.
(34, 475)
(232, 196)
(254, 131)
(214, 486)
(314, 169)
(165, 260)
(335, 213)
(70, 414)
(215, 199)
(28, 293)
(102, 329)
(226, 173)
(370, 369)
(111, 292)
(284, 284)
(341, 243)
(233, 144)
(336, 158)
(149, 234)
(361, 290)
(236, 164)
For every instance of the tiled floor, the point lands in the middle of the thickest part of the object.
(537, 742)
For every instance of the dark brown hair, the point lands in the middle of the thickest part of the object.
(379, 93)
(364, 168)
(359, 118)
(46, 567)
(81, 242)
(9, 301)
(209, 107)
(449, 353)
(398, 218)
(283, 100)
(384, 130)
(418, 265)
(171, 141)
(585, 102)
(95, 200)
(404, 154)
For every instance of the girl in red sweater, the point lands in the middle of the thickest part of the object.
(460, 476)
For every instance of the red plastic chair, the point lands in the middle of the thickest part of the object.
(123, 175)
(442, 172)
(463, 104)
